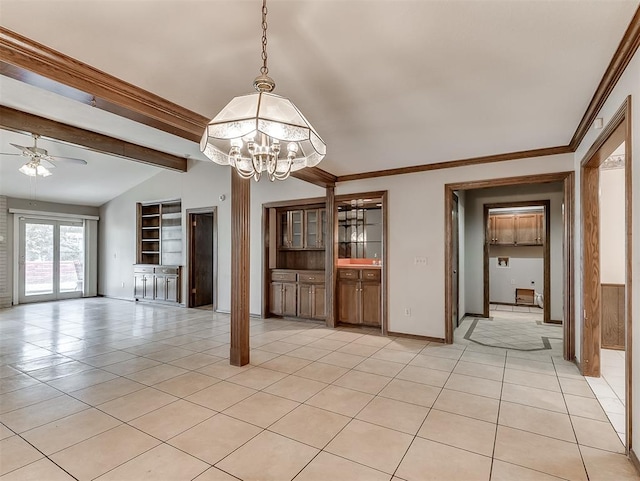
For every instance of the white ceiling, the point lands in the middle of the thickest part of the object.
(386, 83)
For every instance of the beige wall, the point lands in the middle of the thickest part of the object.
(612, 228)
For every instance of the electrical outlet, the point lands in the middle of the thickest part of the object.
(421, 261)
(513, 282)
(407, 311)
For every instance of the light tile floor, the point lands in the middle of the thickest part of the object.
(610, 388)
(113, 390)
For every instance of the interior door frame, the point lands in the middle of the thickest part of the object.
(56, 295)
(546, 288)
(568, 179)
(455, 207)
(190, 217)
(617, 130)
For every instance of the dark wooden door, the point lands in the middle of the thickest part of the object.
(319, 310)
(289, 299)
(275, 302)
(201, 259)
(305, 300)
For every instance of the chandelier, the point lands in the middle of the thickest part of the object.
(262, 132)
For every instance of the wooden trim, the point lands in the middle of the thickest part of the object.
(266, 249)
(369, 195)
(629, 273)
(309, 201)
(416, 337)
(590, 223)
(53, 70)
(568, 241)
(473, 314)
(546, 204)
(240, 268)
(566, 177)
(385, 263)
(610, 137)
(315, 175)
(621, 58)
(486, 293)
(16, 120)
(487, 159)
(330, 258)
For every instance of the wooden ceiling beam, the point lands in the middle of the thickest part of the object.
(17, 120)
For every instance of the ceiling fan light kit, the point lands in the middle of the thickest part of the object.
(34, 167)
(262, 132)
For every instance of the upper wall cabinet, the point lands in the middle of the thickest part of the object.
(523, 229)
(302, 228)
(160, 233)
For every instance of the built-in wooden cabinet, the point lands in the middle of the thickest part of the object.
(359, 296)
(156, 283)
(297, 294)
(156, 276)
(516, 229)
(302, 228)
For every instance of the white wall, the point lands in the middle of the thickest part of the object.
(612, 228)
(525, 271)
(201, 186)
(416, 229)
(475, 231)
(627, 85)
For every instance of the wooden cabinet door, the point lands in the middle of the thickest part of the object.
(322, 213)
(160, 287)
(284, 234)
(319, 309)
(311, 228)
(371, 302)
(527, 229)
(138, 286)
(296, 229)
(305, 300)
(289, 296)
(504, 229)
(172, 288)
(275, 301)
(349, 302)
(541, 229)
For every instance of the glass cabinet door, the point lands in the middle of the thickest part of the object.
(311, 228)
(296, 220)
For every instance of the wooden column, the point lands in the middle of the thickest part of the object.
(330, 257)
(240, 225)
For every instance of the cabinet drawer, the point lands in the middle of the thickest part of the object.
(283, 276)
(143, 269)
(348, 273)
(370, 275)
(303, 277)
(166, 270)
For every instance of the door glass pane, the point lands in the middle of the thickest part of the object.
(71, 258)
(38, 268)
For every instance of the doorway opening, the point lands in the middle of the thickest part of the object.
(606, 268)
(51, 261)
(202, 259)
(475, 300)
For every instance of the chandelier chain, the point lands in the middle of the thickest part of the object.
(264, 70)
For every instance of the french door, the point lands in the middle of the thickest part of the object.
(51, 260)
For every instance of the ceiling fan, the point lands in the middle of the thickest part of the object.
(40, 161)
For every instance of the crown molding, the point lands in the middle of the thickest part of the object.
(621, 58)
(17, 120)
(487, 159)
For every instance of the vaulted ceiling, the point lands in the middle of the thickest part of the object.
(386, 83)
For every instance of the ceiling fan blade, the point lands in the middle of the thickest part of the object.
(12, 154)
(47, 163)
(22, 148)
(67, 160)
